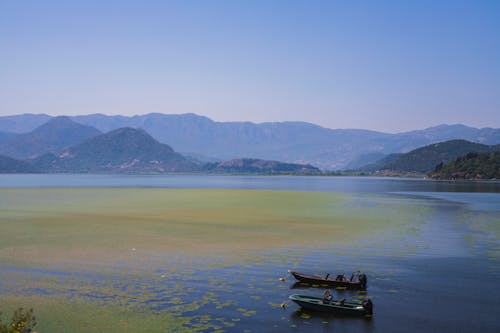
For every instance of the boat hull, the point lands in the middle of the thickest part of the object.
(316, 304)
(324, 281)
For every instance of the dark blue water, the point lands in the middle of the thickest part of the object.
(441, 275)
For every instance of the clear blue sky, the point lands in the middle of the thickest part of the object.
(383, 65)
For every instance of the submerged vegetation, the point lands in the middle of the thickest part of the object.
(22, 321)
(104, 226)
(185, 260)
(118, 260)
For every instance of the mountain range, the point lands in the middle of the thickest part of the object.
(291, 142)
(124, 150)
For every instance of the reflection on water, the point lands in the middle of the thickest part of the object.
(475, 201)
(437, 275)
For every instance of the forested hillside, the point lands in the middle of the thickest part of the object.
(470, 166)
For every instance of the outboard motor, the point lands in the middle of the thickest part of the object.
(362, 278)
(368, 306)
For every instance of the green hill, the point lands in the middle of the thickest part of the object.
(425, 159)
(125, 150)
(470, 166)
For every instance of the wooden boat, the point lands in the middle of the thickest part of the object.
(334, 306)
(357, 282)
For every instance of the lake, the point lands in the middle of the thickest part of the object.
(182, 253)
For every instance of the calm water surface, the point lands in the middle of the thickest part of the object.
(300, 183)
(442, 276)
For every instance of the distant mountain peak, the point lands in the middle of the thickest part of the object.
(53, 136)
(129, 131)
(128, 138)
(123, 150)
(60, 119)
(64, 124)
(441, 126)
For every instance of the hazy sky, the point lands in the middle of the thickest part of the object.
(382, 65)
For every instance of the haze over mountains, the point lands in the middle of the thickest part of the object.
(294, 142)
(62, 145)
(53, 136)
